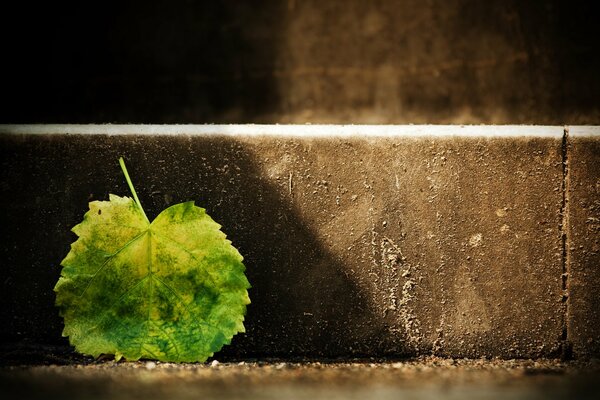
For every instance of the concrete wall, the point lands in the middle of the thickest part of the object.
(583, 242)
(297, 61)
(382, 240)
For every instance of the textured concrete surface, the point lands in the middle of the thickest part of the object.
(583, 246)
(428, 378)
(297, 61)
(381, 245)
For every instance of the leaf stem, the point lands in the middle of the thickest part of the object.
(135, 196)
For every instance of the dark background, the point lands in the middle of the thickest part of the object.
(333, 61)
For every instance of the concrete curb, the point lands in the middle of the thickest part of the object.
(359, 240)
(297, 131)
(582, 244)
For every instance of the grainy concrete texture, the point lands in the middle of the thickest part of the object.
(426, 378)
(583, 247)
(379, 245)
(298, 61)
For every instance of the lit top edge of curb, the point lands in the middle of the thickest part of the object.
(318, 131)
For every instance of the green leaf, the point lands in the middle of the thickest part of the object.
(170, 290)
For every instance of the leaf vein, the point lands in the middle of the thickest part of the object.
(180, 246)
(183, 303)
(149, 264)
(169, 336)
(105, 263)
(128, 291)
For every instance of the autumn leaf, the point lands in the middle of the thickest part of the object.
(172, 289)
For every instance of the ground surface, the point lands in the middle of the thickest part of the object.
(424, 378)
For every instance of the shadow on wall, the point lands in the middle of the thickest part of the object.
(286, 264)
(159, 61)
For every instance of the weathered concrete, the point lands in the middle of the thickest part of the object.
(297, 61)
(583, 244)
(397, 243)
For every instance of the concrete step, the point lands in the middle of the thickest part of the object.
(358, 240)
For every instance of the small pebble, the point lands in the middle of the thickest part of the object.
(150, 365)
(280, 366)
(214, 363)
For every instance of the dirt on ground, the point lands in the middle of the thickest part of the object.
(421, 378)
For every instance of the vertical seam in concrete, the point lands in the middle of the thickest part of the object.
(564, 229)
